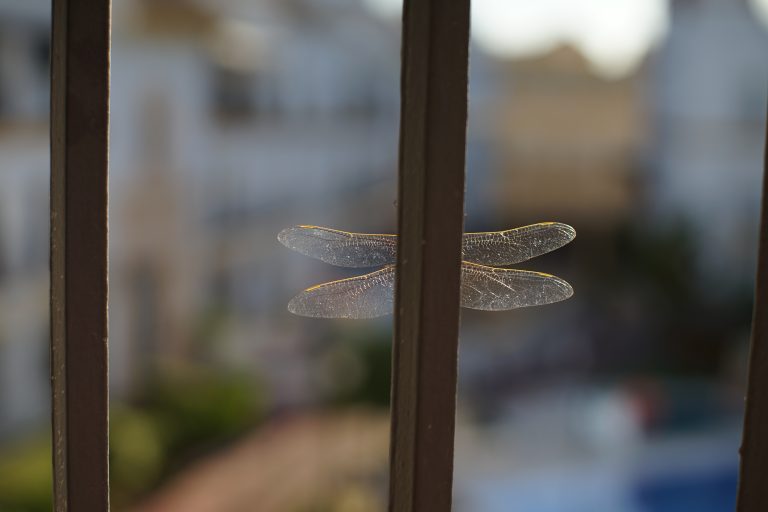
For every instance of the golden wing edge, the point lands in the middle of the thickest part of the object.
(298, 304)
(566, 228)
(551, 237)
(339, 231)
(347, 251)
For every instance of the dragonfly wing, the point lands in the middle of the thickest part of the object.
(515, 245)
(355, 250)
(498, 289)
(366, 296)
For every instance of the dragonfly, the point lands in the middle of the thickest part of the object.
(484, 285)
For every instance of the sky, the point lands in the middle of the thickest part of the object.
(761, 7)
(614, 35)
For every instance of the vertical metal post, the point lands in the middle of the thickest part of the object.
(79, 141)
(430, 217)
(753, 491)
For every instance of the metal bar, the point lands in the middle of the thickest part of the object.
(79, 144)
(430, 218)
(753, 493)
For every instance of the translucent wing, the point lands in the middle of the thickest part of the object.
(497, 289)
(515, 245)
(487, 288)
(340, 248)
(366, 296)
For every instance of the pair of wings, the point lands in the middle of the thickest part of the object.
(482, 286)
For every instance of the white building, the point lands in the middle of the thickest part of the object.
(229, 121)
(709, 91)
(229, 124)
(24, 164)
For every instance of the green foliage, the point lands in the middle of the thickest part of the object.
(664, 259)
(136, 452)
(26, 478)
(211, 327)
(657, 310)
(351, 497)
(198, 408)
(182, 413)
(372, 352)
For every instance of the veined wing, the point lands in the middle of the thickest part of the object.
(358, 250)
(340, 248)
(515, 245)
(366, 296)
(497, 289)
(487, 288)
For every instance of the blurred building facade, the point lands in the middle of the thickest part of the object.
(218, 143)
(197, 91)
(232, 119)
(570, 140)
(24, 375)
(239, 120)
(708, 96)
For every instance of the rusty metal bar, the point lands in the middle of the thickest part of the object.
(430, 218)
(753, 491)
(79, 143)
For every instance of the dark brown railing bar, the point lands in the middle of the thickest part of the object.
(430, 220)
(753, 491)
(79, 139)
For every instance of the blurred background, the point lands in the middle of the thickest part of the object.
(639, 122)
